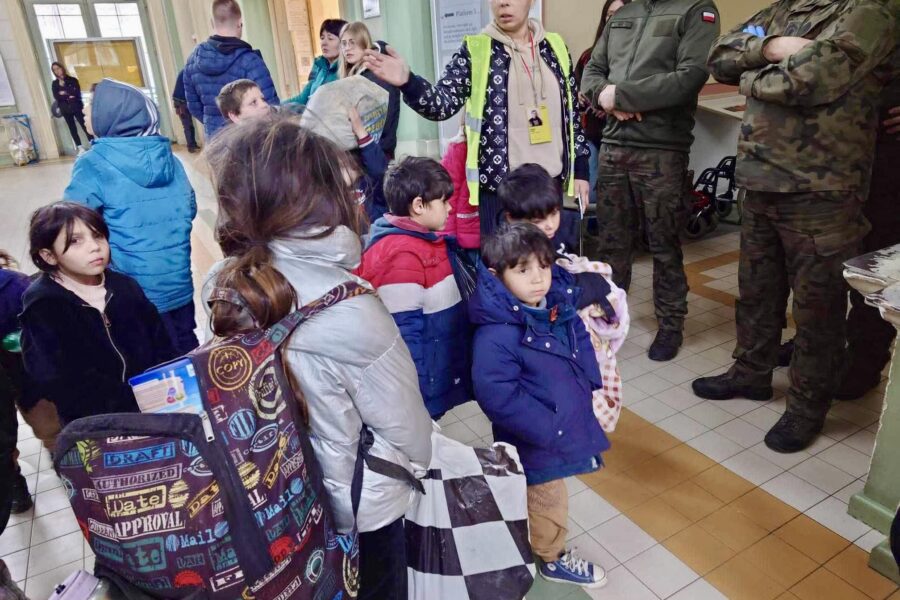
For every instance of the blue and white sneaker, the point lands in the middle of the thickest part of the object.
(570, 568)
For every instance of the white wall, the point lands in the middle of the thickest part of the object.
(24, 77)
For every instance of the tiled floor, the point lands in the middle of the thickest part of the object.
(691, 506)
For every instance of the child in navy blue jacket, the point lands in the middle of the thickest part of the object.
(534, 373)
(412, 268)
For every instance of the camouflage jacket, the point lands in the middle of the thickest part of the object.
(811, 119)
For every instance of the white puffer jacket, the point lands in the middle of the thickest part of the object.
(353, 368)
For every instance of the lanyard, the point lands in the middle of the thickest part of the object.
(527, 69)
(530, 71)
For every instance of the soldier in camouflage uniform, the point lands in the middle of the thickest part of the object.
(646, 72)
(804, 157)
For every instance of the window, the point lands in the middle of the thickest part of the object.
(119, 20)
(123, 19)
(60, 21)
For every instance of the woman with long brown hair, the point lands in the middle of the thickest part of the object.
(67, 94)
(290, 224)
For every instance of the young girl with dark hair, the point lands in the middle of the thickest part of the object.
(85, 329)
(67, 93)
(290, 223)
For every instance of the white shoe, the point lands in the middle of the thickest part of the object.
(81, 151)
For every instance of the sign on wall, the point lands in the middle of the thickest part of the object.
(451, 21)
(371, 8)
(6, 93)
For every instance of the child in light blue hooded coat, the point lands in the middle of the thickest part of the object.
(132, 178)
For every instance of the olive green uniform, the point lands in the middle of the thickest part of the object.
(654, 52)
(804, 156)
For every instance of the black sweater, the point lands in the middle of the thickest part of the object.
(68, 95)
(81, 359)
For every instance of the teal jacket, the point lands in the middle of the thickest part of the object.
(321, 74)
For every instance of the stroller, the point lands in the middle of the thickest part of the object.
(709, 206)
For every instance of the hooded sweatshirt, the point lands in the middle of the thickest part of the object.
(216, 62)
(132, 178)
(531, 84)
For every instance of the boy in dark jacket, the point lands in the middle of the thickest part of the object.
(412, 269)
(528, 194)
(534, 373)
(223, 58)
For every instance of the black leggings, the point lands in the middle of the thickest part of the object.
(70, 121)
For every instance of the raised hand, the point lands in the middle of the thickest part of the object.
(359, 129)
(390, 67)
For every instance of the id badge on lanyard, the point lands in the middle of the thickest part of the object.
(537, 114)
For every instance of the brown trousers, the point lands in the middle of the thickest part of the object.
(548, 512)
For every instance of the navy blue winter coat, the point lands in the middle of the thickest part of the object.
(214, 63)
(535, 389)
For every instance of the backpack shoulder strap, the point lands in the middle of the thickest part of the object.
(281, 330)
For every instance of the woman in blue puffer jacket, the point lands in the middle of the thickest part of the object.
(132, 178)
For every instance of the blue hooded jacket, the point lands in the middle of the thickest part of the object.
(132, 178)
(215, 63)
(533, 383)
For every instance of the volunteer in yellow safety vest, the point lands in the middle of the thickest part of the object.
(516, 82)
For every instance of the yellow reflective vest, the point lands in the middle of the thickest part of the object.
(479, 47)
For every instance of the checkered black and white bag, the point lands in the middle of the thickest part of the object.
(467, 537)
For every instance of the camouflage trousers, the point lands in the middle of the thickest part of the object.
(796, 242)
(869, 337)
(641, 192)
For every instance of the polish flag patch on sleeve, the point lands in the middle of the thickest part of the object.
(709, 17)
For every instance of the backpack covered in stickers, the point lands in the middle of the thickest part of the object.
(227, 504)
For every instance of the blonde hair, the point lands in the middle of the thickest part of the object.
(360, 34)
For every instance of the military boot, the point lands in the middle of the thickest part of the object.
(856, 383)
(793, 433)
(727, 387)
(665, 346)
